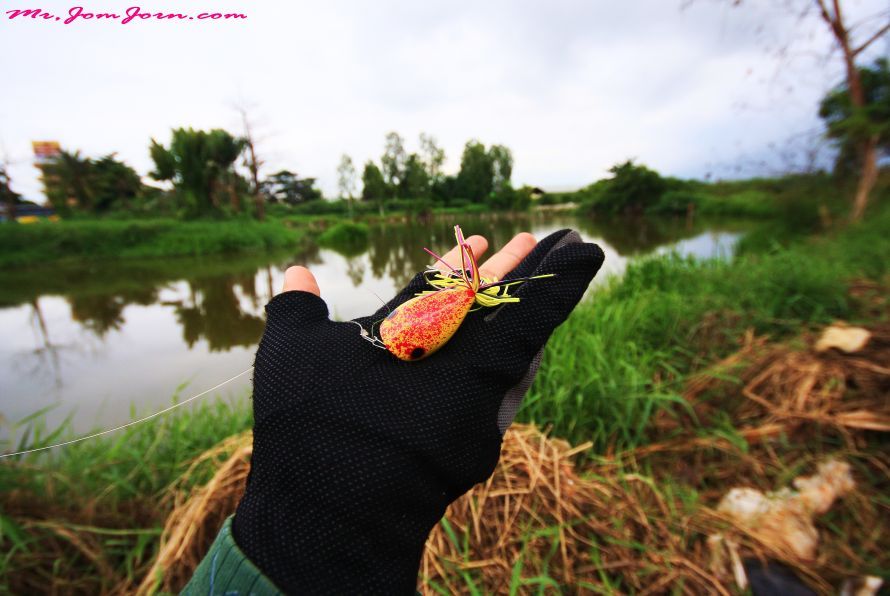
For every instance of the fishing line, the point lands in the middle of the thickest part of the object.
(128, 424)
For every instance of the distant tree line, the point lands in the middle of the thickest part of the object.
(200, 166)
(417, 178)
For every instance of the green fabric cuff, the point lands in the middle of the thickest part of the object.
(227, 571)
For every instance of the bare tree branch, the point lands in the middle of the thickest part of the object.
(878, 34)
(254, 163)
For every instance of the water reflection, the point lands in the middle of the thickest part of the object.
(101, 313)
(104, 337)
(641, 235)
(214, 313)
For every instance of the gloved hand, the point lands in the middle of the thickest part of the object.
(357, 454)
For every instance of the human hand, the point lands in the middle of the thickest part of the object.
(357, 454)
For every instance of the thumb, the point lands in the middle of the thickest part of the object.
(300, 301)
(300, 279)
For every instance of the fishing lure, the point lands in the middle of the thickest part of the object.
(425, 323)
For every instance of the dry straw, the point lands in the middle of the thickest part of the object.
(535, 508)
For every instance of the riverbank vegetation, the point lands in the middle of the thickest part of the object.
(112, 239)
(634, 189)
(803, 202)
(637, 374)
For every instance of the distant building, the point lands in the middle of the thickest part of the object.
(45, 151)
(29, 213)
(536, 193)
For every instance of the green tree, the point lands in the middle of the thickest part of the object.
(415, 180)
(860, 129)
(632, 188)
(476, 177)
(445, 189)
(393, 162)
(66, 182)
(200, 165)
(373, 185)
(433, 157)
(72, 181)
(285, 186)
(346, 179)
(850, 126)
(113, 183)
(502, 166)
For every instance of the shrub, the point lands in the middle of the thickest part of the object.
(348, 238)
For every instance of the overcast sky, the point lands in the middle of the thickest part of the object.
(572, 87)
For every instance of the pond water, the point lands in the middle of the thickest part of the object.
(103, 341)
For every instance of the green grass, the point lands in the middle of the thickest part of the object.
(22, 244)
(138, 462)
(625, 352)
(745, 203)
(108, 491)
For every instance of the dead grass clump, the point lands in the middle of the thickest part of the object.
(791, 406)
(536, 522)
(825, 384)
(52, 542)
(197, 517)
(535, 518)
(787, 388)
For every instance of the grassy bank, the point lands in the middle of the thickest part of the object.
(90, 240)
(626, 352)
(102, 239)
(88, 518)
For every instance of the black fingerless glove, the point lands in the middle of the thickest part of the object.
(357, 454)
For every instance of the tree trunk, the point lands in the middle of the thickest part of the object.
(260, 206)
(867, 178)
(212, 196)
(253, 164)
(233, 196)
(868, 148)
(10, 203)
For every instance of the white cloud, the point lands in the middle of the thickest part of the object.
(570, 87)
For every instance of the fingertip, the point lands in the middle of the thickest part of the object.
(479, 244)
(509, 257)
(525, 240)
(297, 278)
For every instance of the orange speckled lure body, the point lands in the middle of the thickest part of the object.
(425, 323)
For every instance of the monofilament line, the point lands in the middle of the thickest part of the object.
(128, 424)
